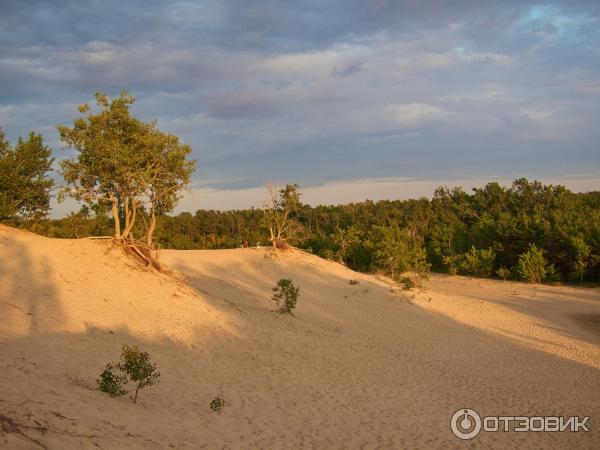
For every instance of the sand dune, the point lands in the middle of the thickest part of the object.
(359, 366)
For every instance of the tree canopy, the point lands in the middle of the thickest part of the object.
(124, 163)
(24, 182)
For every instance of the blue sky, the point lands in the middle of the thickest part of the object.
(349, 99)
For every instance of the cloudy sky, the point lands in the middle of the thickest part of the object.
(350, 99)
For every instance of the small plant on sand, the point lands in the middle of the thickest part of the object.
(217, 404)
(285, 294)
(134, 365)
(407, 283)
(353, 282)
(112, 382)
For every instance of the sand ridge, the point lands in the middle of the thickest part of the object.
(360, 366)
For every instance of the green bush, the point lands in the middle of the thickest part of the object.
(407, 283)
(134, 365)
(478, 262)
(217, 404)
(452, 262)
(503, 273)
(532, 265)
(285, 295)
(111, 382)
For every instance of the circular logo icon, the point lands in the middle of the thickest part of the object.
(465, 423)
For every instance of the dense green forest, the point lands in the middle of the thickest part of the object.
(492, 232)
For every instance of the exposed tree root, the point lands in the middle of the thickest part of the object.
(140, 251)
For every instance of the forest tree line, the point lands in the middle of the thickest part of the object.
(486, 233)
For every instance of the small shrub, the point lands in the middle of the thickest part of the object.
(136, 364)
(532, 265)
(217, 404)
(111, 382)
(407, 283)
(478, 262)
(552, 274)
(285, 295)
(503, 273)
(453, 262)
(353, 282)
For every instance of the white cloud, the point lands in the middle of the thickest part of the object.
(412, 115)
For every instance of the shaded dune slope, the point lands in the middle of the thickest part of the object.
(359, 366)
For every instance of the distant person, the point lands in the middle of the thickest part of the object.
(245, 245)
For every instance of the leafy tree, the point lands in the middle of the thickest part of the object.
(123, 162)
(532, 265)
(24, 184)
(581, 255)
(168, 172)
(136, 364)
(478, 262)
(345, 239)
(398, 250)
(281, 214)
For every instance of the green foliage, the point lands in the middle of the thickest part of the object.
(345, 239)
(217, 404)
(112, 381)
(124, 163)
(285, 295)
(478, 262)
(407, 283)
(532, 265)
(281, 215)
(503, 273)
(398, 250)
(134, 366)
(452, 262)
(552, 274)
(24, 184)
(504, 219)
(581, 257)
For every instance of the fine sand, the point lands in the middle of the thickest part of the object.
(359, 366)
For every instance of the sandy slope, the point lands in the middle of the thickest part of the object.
(362, 366)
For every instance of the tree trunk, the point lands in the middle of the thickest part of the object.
(124, 235)
(152, 225)
(115, 214)
(130, 215)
